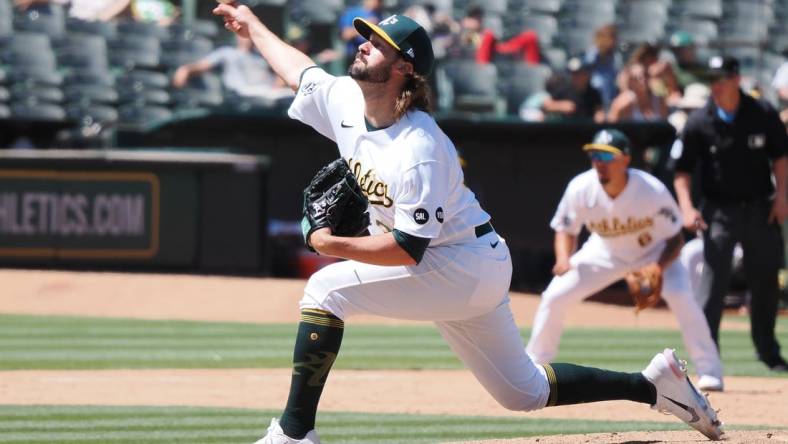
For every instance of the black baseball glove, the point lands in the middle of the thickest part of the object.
(334, 199)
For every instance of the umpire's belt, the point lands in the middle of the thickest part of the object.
(483, 229)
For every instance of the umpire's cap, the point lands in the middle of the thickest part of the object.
(406, 36)
(609, 140)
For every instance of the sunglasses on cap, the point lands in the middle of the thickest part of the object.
(601, 156)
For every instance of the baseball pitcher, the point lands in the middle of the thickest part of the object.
(431, 252)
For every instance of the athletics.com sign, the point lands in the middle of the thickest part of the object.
(79, 214)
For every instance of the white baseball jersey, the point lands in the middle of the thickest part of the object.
(412, 177)
(629, 227)
(627, 233)
(409, 171)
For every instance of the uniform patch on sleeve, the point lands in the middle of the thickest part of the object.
(421, 216)
(309, 88)
(439, 214)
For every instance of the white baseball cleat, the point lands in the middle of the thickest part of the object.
(676, 394)
(709, 383)
(275, 435)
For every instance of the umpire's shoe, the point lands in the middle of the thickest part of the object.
(677, 395)
(275, 435)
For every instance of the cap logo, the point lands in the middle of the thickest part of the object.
(605, 137)
(411, 53)
(389, 21)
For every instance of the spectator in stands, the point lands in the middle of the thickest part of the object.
(687, 68)
(244, 72)
(371, 10)
(475, 41)
(445, 31)
(570, 95)
(780, 84)
(636, 102)
(103, 10)
(606, 62)
(162, 12)
(660, 77)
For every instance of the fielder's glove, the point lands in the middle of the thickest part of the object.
(645, 286)
(334, 199)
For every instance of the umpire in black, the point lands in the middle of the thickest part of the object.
(738, 145)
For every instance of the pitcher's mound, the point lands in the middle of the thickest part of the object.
(732, 437)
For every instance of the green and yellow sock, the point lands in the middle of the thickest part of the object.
(575, 384)
(316, 348)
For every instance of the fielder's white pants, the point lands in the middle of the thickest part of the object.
(463, 288)
(591, 273)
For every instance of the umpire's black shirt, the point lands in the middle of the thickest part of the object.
(734, 156)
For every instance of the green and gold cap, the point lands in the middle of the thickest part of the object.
(609, 140)
(406, 36)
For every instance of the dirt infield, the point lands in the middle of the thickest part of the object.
(756, 401)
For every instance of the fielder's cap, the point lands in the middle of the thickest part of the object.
(406, 36)
(720, 67)
(609, 141)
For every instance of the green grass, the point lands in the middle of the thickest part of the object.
(39, 342)
(119, 425)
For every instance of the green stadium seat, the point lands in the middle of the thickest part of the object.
(32, 109)
(46, 19)
(108, 30)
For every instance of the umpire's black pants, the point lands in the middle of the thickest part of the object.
(762, 243)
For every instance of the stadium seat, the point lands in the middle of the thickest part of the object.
(35, 74)
(196, 44)
(496, 7)
(90, 93)
(5, 19)
(197, 28)
(525, 80)
(143, 29)
(576, 40)
(137, 115)
(27, 48)
(555, 57)
(147, 79)
(547, 6)
(474, 86)
(35, 110)
(5, 111)
(135, 51)
(5, 95)
(46, 19)
(546, 26)
(83, 76)
(21, 92)
(146, 96)
(494, 22)
(703, 30)
(201, 91)
(108, 30)
(96, 112)
(83, 50)
(710, 9)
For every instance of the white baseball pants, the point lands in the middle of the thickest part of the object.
(463, 288)
(592, 272)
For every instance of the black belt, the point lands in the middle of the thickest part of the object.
(483, 229)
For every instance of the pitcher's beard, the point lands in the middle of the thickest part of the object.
(359, 71)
